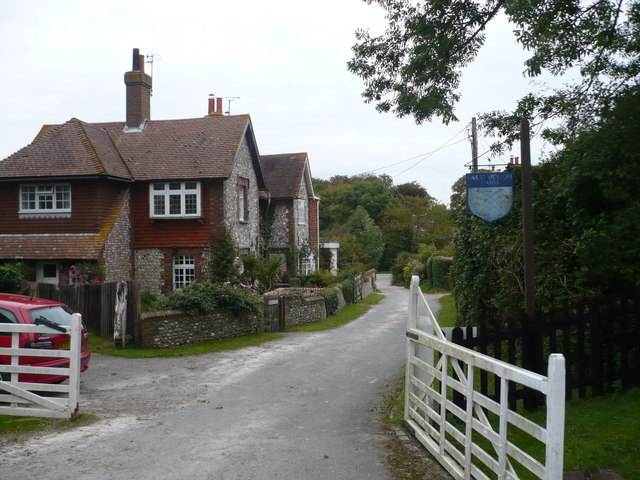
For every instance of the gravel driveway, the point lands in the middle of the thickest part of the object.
(302, 407)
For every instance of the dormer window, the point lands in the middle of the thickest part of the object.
(174, 200)
(49, 198)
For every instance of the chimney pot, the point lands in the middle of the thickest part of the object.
(136, 59)
(215, 105)
(138, 94)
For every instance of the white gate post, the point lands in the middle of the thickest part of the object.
(74, 363)
(555, 417)
(421, 352)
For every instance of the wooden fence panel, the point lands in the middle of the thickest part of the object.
(96, 303)
(599, 339)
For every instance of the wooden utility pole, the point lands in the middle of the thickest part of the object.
(527, 220)
(532, 355)
(474, 146)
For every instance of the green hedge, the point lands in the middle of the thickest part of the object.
(438, 272)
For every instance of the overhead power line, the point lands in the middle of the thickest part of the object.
(422, 157)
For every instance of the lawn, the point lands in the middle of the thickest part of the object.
(599, 431)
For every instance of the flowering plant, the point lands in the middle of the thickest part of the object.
(86, 273)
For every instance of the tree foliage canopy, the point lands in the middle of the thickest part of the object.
(414, 68)
(587, 225)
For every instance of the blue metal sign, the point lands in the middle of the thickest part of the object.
(490, 195)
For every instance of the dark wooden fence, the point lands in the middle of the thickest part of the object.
(96, 303)
(599, 339)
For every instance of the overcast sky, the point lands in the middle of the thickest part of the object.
(284, 59)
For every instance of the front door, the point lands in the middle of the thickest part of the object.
(47, 272)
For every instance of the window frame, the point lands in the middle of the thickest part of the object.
(243, 199)
(39, 197)
(302, 215)
(167, 192)
(184, 269)
(305, 265)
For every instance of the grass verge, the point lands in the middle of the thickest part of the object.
(599, 431)
(447, 314)
(345, 315)
(105, 346)
(14, 428)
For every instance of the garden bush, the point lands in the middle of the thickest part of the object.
(10, 279)
(319, 278)
(331, 302)
(207, 297)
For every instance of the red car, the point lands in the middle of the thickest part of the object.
(31, 310)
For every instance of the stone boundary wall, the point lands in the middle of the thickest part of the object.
(303, 310)
(368, 283)
(173, 328)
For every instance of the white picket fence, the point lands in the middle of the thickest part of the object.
(51, 400)
(475, 441)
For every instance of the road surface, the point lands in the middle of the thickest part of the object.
(300, 408)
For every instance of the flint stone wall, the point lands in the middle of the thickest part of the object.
(174, 327)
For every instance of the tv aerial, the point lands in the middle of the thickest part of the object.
(150, 58)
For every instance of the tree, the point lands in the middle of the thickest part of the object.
(224, 261)
(415, 221)
(587, 219)
(340, 200)
(415, 67)
(413, 189)
(368, 237)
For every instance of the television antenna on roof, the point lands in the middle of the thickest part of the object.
(229, 100)
(150, 58)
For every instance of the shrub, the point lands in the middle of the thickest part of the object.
(87, 273)
(348, 286)
(223, 261)
(262, 273)
(10, 279)
(403, 267)
(149, 302)
(319, 278)
(207, 297)
(331, 303)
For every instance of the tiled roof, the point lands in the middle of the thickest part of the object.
(65, 149)
(51, 247)
(283, 173)
(189, 148)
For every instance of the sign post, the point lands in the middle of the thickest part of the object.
(490, 195)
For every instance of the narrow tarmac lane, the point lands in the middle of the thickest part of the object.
(303, 408)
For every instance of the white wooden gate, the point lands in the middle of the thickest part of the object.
(476, 441)
(51, 400)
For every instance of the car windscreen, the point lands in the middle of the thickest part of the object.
(57, 314)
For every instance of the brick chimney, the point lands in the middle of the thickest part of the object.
(138, 95)
(215, 106)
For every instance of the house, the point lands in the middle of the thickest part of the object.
(144, 199)
(292, 211)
